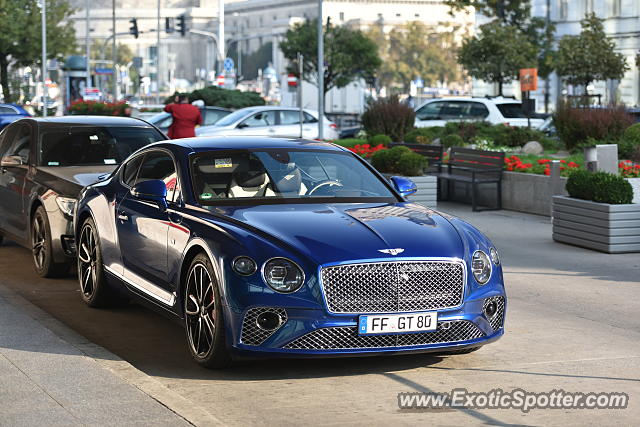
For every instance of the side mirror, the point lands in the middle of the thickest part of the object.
(153, 190)
(242, 126)
(8, 161)
(404, 186)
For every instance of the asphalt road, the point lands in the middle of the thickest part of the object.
(573, 323)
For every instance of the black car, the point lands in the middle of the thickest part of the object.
(44, 164)
(210, 116)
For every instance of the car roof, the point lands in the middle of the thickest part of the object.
(275, 107)
(496, 99)
(208, 143)
(91, 121)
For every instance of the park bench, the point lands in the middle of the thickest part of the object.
(433, 153)
(473, 168)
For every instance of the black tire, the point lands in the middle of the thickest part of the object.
(42, 249)
(94, 290)
(203, 317)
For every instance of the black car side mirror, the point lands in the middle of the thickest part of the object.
(8, 161)
(242, 126)
(153, 190)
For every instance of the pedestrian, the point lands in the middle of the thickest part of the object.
(185, 118)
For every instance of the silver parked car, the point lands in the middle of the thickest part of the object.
(270, 121)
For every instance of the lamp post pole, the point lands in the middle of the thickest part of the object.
(320, 73)
(114, 88)
(158, 55)
(87, 41)
(221, 44)
(44, 58)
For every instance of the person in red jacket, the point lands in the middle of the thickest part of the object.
(185, 118)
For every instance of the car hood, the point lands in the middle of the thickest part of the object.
(69, 181)
(327, 233)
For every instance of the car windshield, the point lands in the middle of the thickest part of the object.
(277, 174)
(235, 116)
(93, 146)
(512, 111)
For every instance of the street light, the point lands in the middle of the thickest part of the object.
(44, 58)
(320, 73)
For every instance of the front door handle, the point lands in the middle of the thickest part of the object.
(123, 217)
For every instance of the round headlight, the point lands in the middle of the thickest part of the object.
(481, 266)
(494, 256)
(244, 266)
(283, 275)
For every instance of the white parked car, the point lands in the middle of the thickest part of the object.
(270, 121)
(498, 110)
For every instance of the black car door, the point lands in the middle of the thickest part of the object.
(143, 228)
(13, 179)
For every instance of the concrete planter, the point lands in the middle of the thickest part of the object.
(635, 183)
(427, 190)
(598, 226)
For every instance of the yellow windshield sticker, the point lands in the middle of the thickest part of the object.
(223, 163)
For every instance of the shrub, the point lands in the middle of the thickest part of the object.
(388, 116)
(600, 187)
(213, 95)
(423, 135)
(350, 142)
(452, 140)
(576, 125)
(465, 130)
(96, 108)
(518, 136)
(380, 139)
(629, 145)
(386, 160)
(632, 133)
(579, 184)
(411, 164)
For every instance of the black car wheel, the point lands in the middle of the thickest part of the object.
(203, 315)
(94, 290)
(41, 247)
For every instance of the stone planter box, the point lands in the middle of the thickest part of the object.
(427, 190)
(635, 183)
(598, 226)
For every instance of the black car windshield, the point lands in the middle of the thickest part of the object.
(295, 175)
(93, 146)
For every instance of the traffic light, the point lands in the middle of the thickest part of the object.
(168, 25)
(133, 29)
(182, 25)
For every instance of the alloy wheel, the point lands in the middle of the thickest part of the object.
(38, 242)
(200, 310)
(87, 258)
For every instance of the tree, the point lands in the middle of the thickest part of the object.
(496, 53)
(20, 35)
(589, 56)
(413, 51)
(349, 55)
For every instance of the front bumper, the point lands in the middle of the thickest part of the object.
(314, 332)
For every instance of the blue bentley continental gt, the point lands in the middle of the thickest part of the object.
(285, 248)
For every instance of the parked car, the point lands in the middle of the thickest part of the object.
(44, 163)
(283, 247)
(9, 113)
(498, 110)
(271, 121)
(210, 116)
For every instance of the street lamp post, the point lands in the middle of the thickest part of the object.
(158, 55)
(87, 41)
(114, 52)
(320, 73)
(44, 58)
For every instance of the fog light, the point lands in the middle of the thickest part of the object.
(269, 321)
(244, 266)
(491, 309)
(445, 326)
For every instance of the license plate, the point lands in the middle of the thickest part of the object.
(397, 323)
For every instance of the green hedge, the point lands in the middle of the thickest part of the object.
(400, 160)
(599, 187)
(225, 98)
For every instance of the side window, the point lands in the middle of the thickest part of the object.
(265, 118)
(210, 117)
(478, 110)
(7, 110)
(431, 111)
(159, 165)
(288, 117)
(20, 143)
(454, 110)
(308, 118)
(130, 171)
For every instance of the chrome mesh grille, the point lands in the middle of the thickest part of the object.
(393, 286)
(347, 338)
(497, 321)
(252, 334)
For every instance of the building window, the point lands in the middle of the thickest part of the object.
(379, 16)
(563, 12)
(342, 16)
(417, 15)
(398, 15)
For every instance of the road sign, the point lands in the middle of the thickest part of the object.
(220, 80)
(419, 82)
(228, 65)
(528, 79)
(292, 80)
(104, 70)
